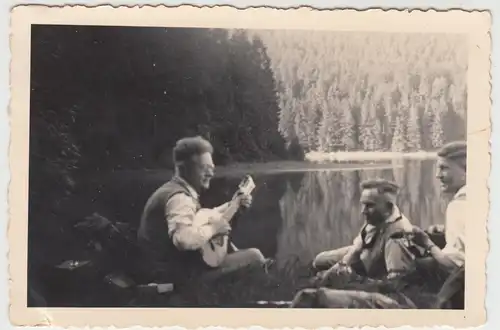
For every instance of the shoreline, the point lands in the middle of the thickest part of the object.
(270, 168)
(283, 166)
(316, 156)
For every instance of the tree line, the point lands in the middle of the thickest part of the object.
(106, 98)
(369, 91)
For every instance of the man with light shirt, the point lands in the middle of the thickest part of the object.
(450, 261)
(451, 172)
(169, 235)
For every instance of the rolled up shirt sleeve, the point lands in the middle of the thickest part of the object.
(222, 208)
(455, 231)
(357, 242)
(353, 251)
(180, 211)
(398, 258)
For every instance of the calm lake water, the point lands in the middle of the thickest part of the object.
(296, 215)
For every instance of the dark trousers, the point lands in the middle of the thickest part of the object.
(452, 293)
(432, 272)
(450, 284)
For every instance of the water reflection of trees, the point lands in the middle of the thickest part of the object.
(324, 212)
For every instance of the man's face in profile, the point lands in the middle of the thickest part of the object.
(373, 206)
(450, 175)
(202, 171)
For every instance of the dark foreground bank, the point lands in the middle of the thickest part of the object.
(107, 272)
(95, 262)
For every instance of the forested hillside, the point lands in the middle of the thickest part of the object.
(369, 91)
(106, 98)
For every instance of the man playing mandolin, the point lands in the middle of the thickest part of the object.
(179, 237)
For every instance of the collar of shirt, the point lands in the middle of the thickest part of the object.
(395, 215)
(190, 188)
(369, 232)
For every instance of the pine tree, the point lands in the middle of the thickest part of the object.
(387, 120)
(339, 120)
(368, 135)
(437, 134)
(328, 132)
(378, 135)
(439, 86)
(322, 134)
(413, 138)
(369, 139)
(371, 128)
(301, 126)
(364, 129)
(399, 143)
(287, 116)
(348, 125)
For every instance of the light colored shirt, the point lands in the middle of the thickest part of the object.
(180, 213)
(456, 214)
(371, 229)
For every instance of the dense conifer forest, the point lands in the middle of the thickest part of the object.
(106, 98)
(369, 91)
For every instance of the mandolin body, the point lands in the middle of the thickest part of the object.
(214, 252)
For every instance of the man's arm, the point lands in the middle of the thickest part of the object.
(180, 211)
(455, 232)
(352, 256)
(222, 208)
(243, 202)
(445, 260)
(453, 254)
(344, 265)
(398, 258)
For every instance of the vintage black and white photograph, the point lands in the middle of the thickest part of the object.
(177, 167)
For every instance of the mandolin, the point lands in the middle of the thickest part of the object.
(214, 252)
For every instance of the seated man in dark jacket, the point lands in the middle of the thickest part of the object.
(168, 234)
(373, 252)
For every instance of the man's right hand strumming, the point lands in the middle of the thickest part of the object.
(221, 227)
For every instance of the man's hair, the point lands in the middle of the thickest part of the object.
(186, 148)
(384, 187)
(455, 151)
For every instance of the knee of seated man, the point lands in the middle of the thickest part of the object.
(255, 256)
(324, 260)
(320, 262)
